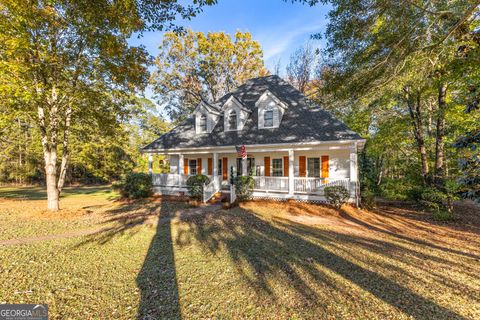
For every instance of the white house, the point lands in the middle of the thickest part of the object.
(294, 147)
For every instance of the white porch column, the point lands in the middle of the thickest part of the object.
(180, 164)
(244, 167)
(150, 163)
(291, 172)
(215, 168)
(353, 171)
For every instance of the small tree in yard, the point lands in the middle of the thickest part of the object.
(244, 187)
(195, 185)
(336, 196)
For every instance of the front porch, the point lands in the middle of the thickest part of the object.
(294, 173)
(168, 183)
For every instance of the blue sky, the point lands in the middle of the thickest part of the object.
(280, 27)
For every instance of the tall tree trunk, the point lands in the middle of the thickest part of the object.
(415, 108)
(49, 145)
(51, 179)
(65, 151)
(439, 143)
(430, 111)
(50, 157)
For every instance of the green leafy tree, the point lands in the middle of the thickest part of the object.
(67, 63)
(194, 66)
(402, 59)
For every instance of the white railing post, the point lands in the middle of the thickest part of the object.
(180, 164)
(233, 195)
(203, 193)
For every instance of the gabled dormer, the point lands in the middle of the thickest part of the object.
(270, 110)
(206, 117)
(234, 114)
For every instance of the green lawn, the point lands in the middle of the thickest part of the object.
(160, 260)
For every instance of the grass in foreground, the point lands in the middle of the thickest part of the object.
(158, 259)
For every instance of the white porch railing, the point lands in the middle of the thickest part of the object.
(211, 188)
(307, 185)
(171, 180)
(270, 183)
(316, 185)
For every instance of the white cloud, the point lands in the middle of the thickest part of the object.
(277, 40)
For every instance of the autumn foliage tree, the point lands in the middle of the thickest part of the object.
(193, 66)
(67, 63)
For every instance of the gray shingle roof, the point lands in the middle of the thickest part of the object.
(303, 121)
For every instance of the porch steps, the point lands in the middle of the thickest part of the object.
(217, 198)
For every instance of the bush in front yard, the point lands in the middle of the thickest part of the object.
(195, 185)
(336, 196)
(135, 185)
(244, 187)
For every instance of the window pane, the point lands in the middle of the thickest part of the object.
(277, 168)
(313, 167)
(250, 165)
(268, 118)
(232, 121)
(192, 164)
(203, 123)
(239, 166)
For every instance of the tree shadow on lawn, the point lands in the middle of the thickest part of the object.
(40, 192)
(291, 252)
(395, 226)
(157, 278)
(23, 193)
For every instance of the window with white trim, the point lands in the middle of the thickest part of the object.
(277, 167)
(268, 117)
(192, 166)
(232, 120)
(202, 123)
(313, 167)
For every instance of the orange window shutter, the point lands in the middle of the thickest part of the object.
(225, 169)
(210, 166)
(185, 166)
(285, 166)
(324, 166)
(199, 165)
(302, 166)
(266, 163)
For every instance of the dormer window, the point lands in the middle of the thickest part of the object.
(268, 117)
(232, 120)
(270, 111)
(202, 123)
